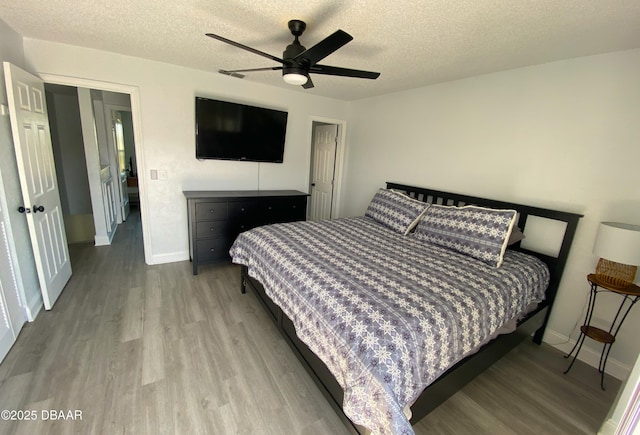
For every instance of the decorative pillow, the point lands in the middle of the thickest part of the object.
(396, 210)
(481, 233)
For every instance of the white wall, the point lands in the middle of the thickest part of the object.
(561, 135)
(71, 168)
(167, 98)
(11, 50)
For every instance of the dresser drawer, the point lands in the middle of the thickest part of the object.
(238, 227)
(283, 210)
(213, 249)
(208, 229)
(213, 211)
(243, 211)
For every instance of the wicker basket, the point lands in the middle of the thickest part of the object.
(614, 274)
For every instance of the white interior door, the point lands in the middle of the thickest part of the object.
(322, 171)
(118, 140)
(34, 155)
(12, 315)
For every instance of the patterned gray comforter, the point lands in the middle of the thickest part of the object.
(386, 313)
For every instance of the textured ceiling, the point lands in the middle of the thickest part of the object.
(411, 43)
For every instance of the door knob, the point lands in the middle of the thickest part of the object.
(313, 184)
(21, 209)
(38, 208)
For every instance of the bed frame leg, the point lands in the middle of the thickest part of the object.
(243, 282)
(537, 337)
(539, 334)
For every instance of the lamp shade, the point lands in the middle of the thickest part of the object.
(618, 242)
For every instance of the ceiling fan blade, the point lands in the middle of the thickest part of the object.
(343, 72)
(244, 47)
(323, 48)
(228, 72)
(309, 84)
(231, 73)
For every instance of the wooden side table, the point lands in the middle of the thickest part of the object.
(631, 294)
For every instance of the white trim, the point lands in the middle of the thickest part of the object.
(172, 257)
(34, 306)
(631, 416)
(589, 356)
(102, 240)
(608, 428)
(136, 117)
(340, 156)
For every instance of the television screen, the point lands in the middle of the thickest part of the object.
(232, 131)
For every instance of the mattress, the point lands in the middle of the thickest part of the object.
(386, 313)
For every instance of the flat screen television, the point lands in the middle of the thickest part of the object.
(232, 131)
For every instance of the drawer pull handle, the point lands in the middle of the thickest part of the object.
(269, 207)
(242, 209)
(211, 211)
(212, 249)
(212, 229)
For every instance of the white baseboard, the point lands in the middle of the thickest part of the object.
(168, 258)
(592, 357)
(102, 240)
(34, 305)
(608, 428)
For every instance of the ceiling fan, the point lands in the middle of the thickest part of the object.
(298, 62)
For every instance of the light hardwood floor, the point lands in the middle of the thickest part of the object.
(154, 350)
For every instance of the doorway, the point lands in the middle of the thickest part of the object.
(90, 168)
(327, 150)
(131, 93)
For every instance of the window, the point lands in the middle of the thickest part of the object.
(119, 139)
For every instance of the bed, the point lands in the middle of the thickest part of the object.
(387, 313)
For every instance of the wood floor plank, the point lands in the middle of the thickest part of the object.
(153, 347)
(155, 350)
(133, 315)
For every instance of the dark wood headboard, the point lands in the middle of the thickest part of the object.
(556, 264)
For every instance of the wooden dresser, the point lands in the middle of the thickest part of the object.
(217, 217)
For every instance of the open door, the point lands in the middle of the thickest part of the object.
(118, 143)
(34, 155)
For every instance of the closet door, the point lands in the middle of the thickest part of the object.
(12, 315)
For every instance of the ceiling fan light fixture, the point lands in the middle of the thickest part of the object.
(295, 79)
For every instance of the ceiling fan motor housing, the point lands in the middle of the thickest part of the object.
(290, 65)
(294, 70)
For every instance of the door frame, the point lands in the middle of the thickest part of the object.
(136, 119)
(336, 209)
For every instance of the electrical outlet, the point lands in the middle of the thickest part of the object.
(162, 174)
(154, 174)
